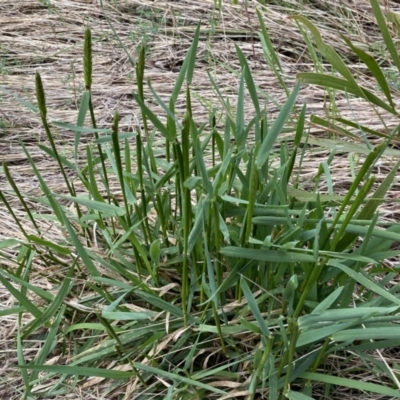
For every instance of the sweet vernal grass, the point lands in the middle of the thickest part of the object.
(212, 265)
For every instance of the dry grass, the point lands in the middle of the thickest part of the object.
(47, 36)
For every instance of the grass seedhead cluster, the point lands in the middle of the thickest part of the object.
(207, 271)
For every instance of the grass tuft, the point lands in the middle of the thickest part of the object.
(206, 270)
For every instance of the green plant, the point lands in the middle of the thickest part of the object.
(206, 279)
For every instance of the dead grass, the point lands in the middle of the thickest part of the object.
(49, 39)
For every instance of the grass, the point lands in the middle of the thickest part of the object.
(206, 270)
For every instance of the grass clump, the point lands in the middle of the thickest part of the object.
(209, 272)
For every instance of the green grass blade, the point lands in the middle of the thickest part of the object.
(366, 282)
(12, 213)
(328, 301)
(79, 247)
(276, 128)
(106, 209)
(92, 182)
(177, 378)
(361, 127)
(45, 189)
(83, 109)
(19, 195)
(328, 81)
(118, 162)
(44, 294)
(80, 371)
(329, 53)
(155, 121)
(53, 307)
(266, 255)
(381, 333)
(191, 56)
(81, 129)
(251, 301)
(292, 395)
(270, 53)
(374, 68)
(48, 244)
(380, 19)
(249, 79)
(372, 204)
(351, 383)
(21, 298)
(240, 137)
(22, 362)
